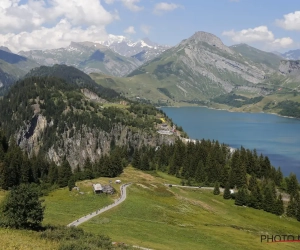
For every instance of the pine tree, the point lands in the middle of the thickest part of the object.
(255, 198)
(227, 194)
(279, 206)
(136, 159)
(200, 174)
(53, 173)
(269, 201)
(71, 183)
(88, 169)
(252, 182)
(291, 210)
(292, 185)
(216, 189)
(224, 178)
(241, 198)
(145, 162)
(298, 209)
(64, 174)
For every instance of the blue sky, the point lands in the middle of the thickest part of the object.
(37, 24)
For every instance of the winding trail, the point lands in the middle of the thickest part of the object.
(195, 187)
(102, 210)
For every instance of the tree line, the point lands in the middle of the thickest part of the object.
(16, 168)
(209, 163)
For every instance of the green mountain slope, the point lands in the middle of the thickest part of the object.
(260, 58)
(12, 68)
(74, 76)
(87, 56)
(196, 70)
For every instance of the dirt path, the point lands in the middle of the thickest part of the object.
(193, 187)
(101, 210)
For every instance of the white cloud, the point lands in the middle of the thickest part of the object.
(145, 29)
(290, 21)
(284, 42)
(259, 34)
(130, 4)
(47, 38)
(51, 23)
(159, 8)
(130, 30)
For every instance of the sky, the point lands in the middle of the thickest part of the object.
(270, 25)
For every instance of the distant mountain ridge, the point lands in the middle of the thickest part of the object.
(292, 55)
(201, 67)
(12, 68)
(86, 56)
(143, 50)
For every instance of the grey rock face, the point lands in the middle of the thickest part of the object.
(84, 142)
(290, 67)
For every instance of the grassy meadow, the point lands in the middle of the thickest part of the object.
(158, 217)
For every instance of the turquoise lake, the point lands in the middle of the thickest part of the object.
(274, 136)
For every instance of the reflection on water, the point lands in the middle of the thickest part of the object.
(275, 136)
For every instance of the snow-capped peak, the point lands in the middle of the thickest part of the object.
(113, 39)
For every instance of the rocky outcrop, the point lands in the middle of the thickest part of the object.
(78, 144)
(92, 96)
(288, 67)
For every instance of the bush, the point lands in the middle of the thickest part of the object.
(73, 238)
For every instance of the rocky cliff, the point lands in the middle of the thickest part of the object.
(79, 144)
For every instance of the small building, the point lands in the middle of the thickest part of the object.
(231, 191)
(97, 188)
(118, 181)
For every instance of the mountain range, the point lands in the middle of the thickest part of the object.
(195, 71)
(143, 50)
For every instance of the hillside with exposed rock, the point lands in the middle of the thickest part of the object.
(60, 118)
(86, 56)
(196, 70)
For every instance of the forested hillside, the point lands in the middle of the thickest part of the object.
(209, 163)
(69, 116)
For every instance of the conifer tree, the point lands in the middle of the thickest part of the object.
(255, 198)
(298, 209)
(53, 173)
(71, 183)
(200, 172)
(291, 210)
(64, 174)
(88, 169)
(144, 164)
(227, 194)
(252, 182)
(216, 189)
(292, 185)
(279, 210)
(136, 159)
(241, 198)
(224, 178)
(269, 203)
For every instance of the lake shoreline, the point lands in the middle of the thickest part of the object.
(232, 111)
(270, 134)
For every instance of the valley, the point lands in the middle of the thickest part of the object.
(88, 114)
